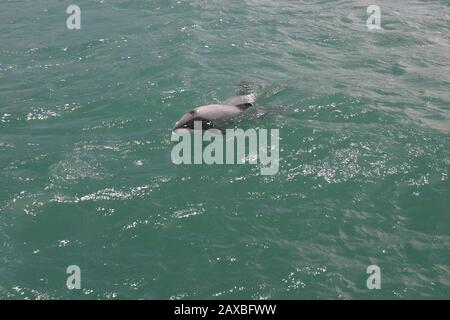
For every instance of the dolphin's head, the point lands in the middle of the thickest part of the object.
(188, 119)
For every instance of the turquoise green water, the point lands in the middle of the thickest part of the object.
(86, 176)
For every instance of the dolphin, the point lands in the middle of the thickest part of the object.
(214, 114)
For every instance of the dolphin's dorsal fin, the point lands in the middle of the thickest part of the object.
(246, 88)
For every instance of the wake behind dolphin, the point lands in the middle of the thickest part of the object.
(214, 115)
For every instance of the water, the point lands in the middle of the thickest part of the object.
(87, 179)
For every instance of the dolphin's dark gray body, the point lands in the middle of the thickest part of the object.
(213, 114)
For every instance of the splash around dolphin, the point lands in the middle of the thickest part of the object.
(214, 115)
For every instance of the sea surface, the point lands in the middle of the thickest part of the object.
(86, 176)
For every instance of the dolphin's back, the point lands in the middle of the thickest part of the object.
(217, 111)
